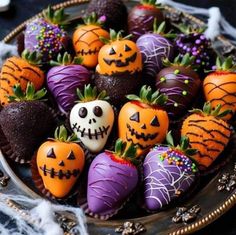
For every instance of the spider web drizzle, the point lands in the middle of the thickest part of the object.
(153, 52)
(163, 182)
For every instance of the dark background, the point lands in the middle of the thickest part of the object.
(21, 10)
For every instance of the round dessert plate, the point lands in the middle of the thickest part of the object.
(213, 203)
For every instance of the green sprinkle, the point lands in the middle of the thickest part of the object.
(176, 72)
(163, 79)
(186, 81)
(184, 92)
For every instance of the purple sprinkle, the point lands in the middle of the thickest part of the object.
(198, 41)
(198, 61)
(202, 37)
(102, 19)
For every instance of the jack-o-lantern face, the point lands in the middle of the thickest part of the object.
(119, 56)
(142, 125)
(92, 123)
(60, 164)
(87, 43)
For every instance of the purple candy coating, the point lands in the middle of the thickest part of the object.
(63, 81)
(164, 181)
(45, 38)
(110, 183)
(154, 48)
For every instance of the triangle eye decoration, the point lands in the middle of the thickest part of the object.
(155, 122)
(127, 48)
(112, 51)
(51, 153)
(71, 156)
(135, 117)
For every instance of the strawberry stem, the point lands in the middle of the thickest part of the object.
(29, 95)
(115, 36)
(61, 134)
(148, 97)
(225, 65)
(94, 20)
(188, 29)
(33, 58)
(66, 59)
(151, 3)
(209, 111)
(91, 94)
(161, 30)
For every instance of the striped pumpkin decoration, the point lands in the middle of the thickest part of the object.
(17, 70)
(208, 134)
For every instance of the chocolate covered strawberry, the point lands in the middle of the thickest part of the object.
(143, 121)
(193, 41)
(44, 34)
(154, 47)
(168, 173)
(60, 161)
(180, 83)
(65, 78)
(141, 17)
(26, 122)
(220, 86)
(207, 133)
(20, 70)
(92, 118)
(112, 178)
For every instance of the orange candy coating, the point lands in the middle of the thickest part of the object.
(220, 88)
(118, 57)
(143, 125)
(208, 135)
(63, 162)
(87, 43)
(18, 71)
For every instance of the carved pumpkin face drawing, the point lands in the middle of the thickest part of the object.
(87, 43)
(142, 125)
(60, 164)
(92, 123)
(119, 56)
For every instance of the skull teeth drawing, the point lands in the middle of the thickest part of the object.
(92, 123)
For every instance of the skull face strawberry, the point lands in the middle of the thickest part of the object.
(92, 118)
(112, 178)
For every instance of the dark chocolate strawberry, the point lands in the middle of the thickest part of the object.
(25, 123)
(142, 16)
(112, 178)
(180, 83)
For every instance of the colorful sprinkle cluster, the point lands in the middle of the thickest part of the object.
(48, 38)
(176, 158)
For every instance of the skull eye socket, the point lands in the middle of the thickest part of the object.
(83, 112)
(97, 111)
(155, 122)
(135, 117)
(112, 51)
(127, 48)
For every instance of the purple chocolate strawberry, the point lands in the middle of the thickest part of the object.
(64, 79)
(180, 83)
(112, 178)
(45, 36)
(154, 47)
(141, 18)
(168, 173)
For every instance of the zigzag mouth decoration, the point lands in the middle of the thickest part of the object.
(143, 147)
(89, 52)
(100, 132)
(119, 63)
(60, 174)
(141, 135)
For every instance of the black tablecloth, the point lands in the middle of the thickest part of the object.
(20, 10)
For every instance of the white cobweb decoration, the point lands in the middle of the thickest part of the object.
(39, 219)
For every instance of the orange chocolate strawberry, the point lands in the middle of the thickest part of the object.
(60, 162)
(17, 70)
(86, 40)
(207, 133)
(220, 86)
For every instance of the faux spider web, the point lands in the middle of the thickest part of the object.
(163, 182)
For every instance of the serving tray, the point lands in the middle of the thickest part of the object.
(212, 202)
